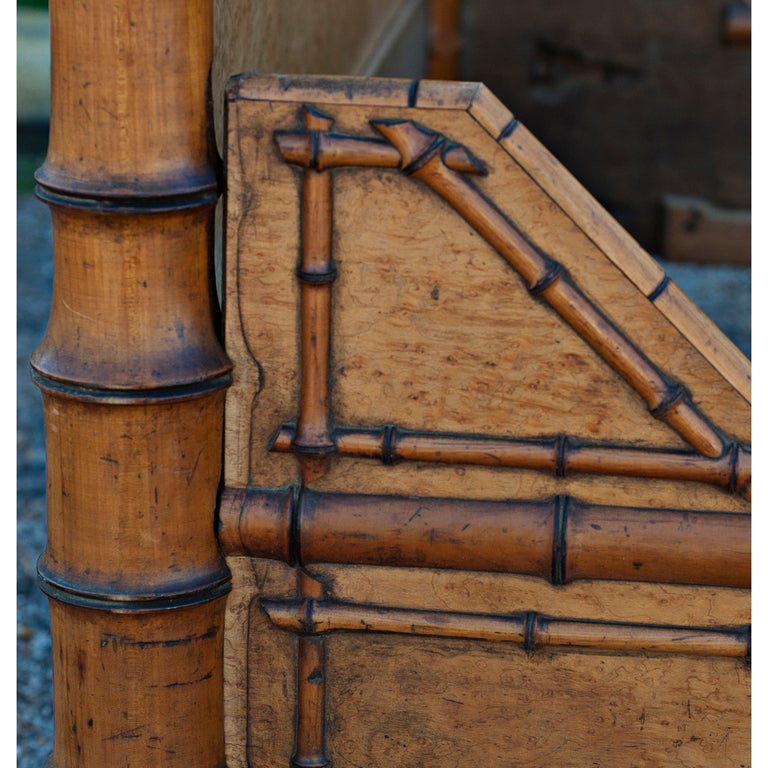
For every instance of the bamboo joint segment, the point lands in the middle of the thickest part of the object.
(559, 540)
(529, 629)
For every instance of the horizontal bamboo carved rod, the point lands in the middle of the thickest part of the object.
(560, 455)
(561, 539)
(530, 629)
(325, 150)
(422, 158)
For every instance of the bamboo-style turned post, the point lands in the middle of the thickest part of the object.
(133, 378)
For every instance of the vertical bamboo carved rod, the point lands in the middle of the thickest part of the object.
(310, 749)
(133, 379)
(313, 440)
(313, 433)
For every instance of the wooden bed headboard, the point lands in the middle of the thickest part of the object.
(459, 475)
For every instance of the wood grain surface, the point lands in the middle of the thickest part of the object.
(436, 346)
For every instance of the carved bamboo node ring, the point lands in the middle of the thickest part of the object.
(561, 449)
(559, 541)
(529, 631)
(388, 449)
(660, 288)
(317, 278)
(672, 398)
(552, 275)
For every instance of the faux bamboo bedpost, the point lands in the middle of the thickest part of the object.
(133, 379)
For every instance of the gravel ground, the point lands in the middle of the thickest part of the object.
(723, 292)
(34, 281)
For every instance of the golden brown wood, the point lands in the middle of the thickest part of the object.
(434, 333)
(316, 273)
(133, 378)
(528, 629)
(559, 540)
(326, 150)
(422, 160)
(559, 455)
(310, 672)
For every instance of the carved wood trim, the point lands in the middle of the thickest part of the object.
(561, 455)
(560, 540)
(529, 629)
(422, 156)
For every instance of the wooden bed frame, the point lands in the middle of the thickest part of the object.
(459, 476)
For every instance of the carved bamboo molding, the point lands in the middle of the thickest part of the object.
(560, 540)
(529, 629)
(436, 161)
(133, 378)
(561, 455)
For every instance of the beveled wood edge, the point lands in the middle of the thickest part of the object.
(347, 91)
(553, 178)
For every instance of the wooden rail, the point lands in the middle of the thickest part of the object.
(561, 455)
(529, 629)
(560, 540)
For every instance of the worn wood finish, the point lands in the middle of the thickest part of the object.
(559, 455)
(483, 443)
(531, 630)
(133, 377)
(560, 539)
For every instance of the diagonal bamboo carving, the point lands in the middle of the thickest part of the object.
(431, 158)
(421, 152)
(530, 629)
